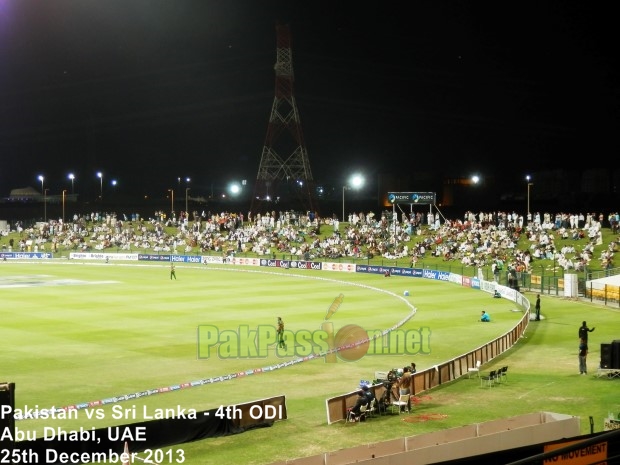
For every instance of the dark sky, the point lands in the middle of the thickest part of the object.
(150, 91)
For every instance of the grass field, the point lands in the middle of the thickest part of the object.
(76, 332)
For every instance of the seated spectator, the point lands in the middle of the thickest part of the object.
(362, 399)
(369, 394)
(485, 317)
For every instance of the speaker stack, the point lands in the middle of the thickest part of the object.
(610, 355)
(615, 354)
(606, 356)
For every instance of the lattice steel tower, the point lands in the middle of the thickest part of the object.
(284, 179)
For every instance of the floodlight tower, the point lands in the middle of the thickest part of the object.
(284, 172)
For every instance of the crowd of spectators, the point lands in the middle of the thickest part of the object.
(477, 240)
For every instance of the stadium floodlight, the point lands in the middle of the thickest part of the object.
(72, 177)
(100, 176)
(355, 182)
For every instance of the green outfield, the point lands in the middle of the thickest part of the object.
(75, 332)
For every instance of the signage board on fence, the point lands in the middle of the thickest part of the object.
(420, 198)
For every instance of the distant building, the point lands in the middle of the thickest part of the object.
(25, 194)
(30, 194)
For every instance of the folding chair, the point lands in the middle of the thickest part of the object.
(401, 404)
(475, 369)
(490, 378)
(372, 408)
(352, 418)
(363, 413)
(504, 373)
(498, 376)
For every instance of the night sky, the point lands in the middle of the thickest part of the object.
(148, 92)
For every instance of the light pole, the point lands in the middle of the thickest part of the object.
(42, 179)
(187, 180)
(171, 201)
(355, 182)
(100, 176)
(45, 205)
(186, 191)
(529, 184)
(72, 177)
(64, 193)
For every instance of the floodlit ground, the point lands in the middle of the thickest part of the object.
(77, 332)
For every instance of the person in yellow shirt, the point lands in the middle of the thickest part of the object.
(404, 385)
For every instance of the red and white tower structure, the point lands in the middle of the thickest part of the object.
(284, 174)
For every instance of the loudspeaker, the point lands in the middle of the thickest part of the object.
(615, 354)
(7, 420)
(606, 356)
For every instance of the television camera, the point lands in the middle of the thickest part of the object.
(391, 377)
